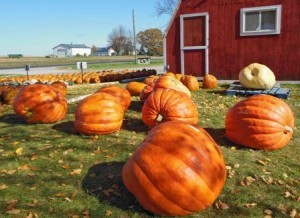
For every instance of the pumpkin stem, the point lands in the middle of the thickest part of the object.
(288, 129)
(159, 118)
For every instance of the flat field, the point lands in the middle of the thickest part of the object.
(49, 170)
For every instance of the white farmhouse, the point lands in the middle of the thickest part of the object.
(69, 50)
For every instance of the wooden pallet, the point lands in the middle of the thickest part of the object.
(237, 89)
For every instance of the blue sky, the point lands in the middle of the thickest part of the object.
(34, 27)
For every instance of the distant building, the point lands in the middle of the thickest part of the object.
(69, 50)
(104, 51)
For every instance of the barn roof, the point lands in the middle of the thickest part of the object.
(172, 18)
(72, 46)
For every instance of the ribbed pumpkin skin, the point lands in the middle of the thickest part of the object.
(261, 122)
(168, 104)
(146, 92)
(135, 88)
(61, 86)
(122, 94)
(170, 82)
(177, 170)
(99, 113)
(39, 103)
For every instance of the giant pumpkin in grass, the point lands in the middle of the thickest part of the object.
(261, 122)
(166, 105)
(257, 76)
(99, 113)
(170, 82)
(177, 170)
(120, 93)
(40, 103)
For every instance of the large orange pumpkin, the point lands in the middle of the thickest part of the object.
(40, 103)
(170, 82)
(177, 170)
(135, 88)
(261, 122)
(120, 93)
(168, 104)
(99, 113)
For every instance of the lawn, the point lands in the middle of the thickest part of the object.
(93, 62)
(48, 170)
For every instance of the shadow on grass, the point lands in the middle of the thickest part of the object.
(12, 119)
(220, 137)
(136, 106)
(67, 127)
(134, 124)
(104, 181)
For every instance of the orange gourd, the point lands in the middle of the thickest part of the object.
(209, 82)
(99, 113)
(177, 170)
(166, 105)
(120, 93)
(135, 88)
(261, 122)
(191, 82)
(40, 103)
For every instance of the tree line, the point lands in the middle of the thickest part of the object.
(149, 42)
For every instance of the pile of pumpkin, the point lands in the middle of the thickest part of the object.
(79, 78)
(178, 169)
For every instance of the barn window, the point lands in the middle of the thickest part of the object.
(260, 20)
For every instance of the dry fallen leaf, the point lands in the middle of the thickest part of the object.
(19, 151)
(268, 212)
(13, 211)
(11, 204)
(247, 181)
(221, 205)
(68, 199)
(249, 205)
(108, 212)
(3, 186)
(76, 172)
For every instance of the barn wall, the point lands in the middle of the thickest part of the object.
(229, 52)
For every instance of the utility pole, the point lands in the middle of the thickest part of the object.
(134, 39)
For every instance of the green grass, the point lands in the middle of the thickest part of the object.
(63, 174)
(92, 61)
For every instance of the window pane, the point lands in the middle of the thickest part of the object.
(252, 21)
(268, 20)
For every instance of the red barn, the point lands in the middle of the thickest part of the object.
(223, 36)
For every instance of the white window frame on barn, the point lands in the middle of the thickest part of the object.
(264, 20)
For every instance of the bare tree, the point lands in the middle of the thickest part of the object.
(165, 7)
(118, 39)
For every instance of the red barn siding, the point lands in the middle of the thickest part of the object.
(228, 51)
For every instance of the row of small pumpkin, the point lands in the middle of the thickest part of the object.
(178, 169)
(85, 77)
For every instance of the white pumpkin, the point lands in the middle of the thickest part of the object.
(257, 76)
